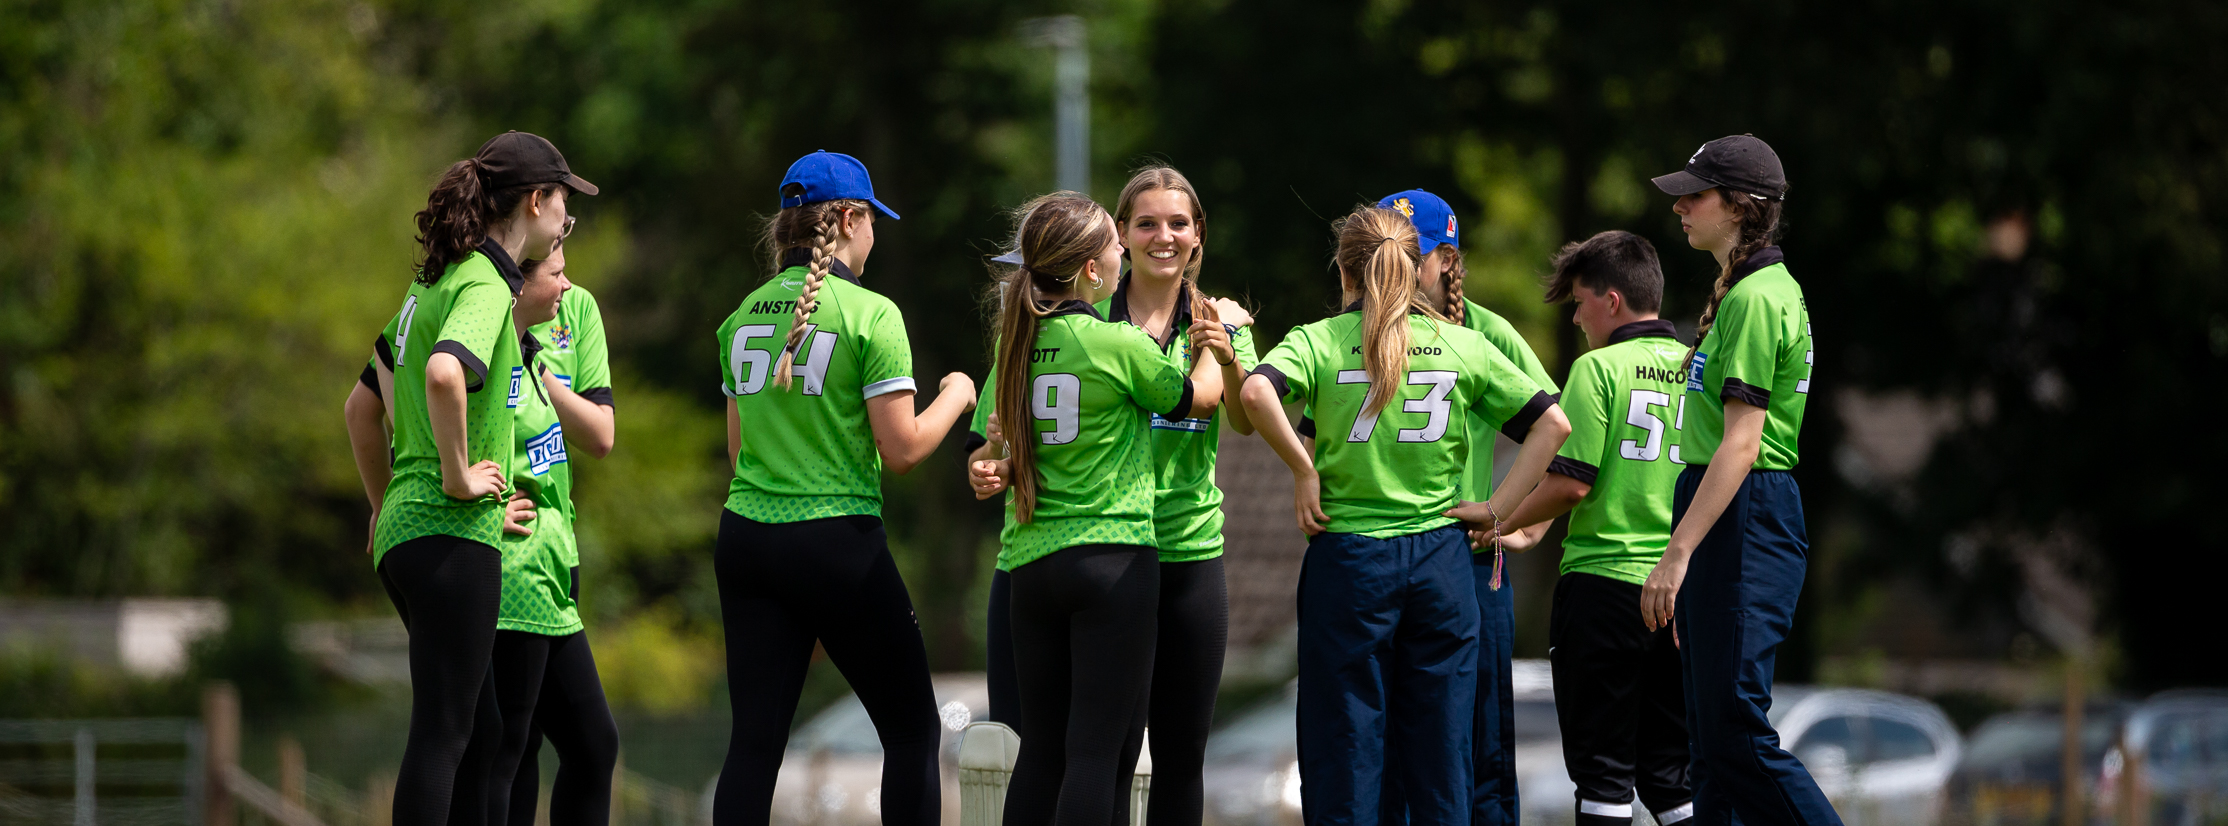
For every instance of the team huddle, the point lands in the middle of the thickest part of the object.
(1112, 378)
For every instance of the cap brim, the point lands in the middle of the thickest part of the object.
(1425, 244)
(579, 184)
(1683, 182)
(883, 208)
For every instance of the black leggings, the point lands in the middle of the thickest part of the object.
(1083, 633)
(548, 685)
(782, 585)
(1187, 670)
(447, 590)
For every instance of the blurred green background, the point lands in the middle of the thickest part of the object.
(2008, 218)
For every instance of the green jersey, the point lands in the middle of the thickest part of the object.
(1393, 473)
(537, 569)
(1187, 505)
(1622, 402)
(808, 452)
(1477, 478)
(467, 314)
(1758, 351)
(573, 352)
(1092, 384)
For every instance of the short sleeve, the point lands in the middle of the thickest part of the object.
(1290, 364)
(886, 362)
(478, 318)
(1153, 383)
(1586, 402)
(1243, 343)
(592, 369)
(1746, 356)
(1505, 338)
(1505, 397)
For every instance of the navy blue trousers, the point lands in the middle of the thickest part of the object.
(1493, 738)
(1388, 644)
(1735, 607)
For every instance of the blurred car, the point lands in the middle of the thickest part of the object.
(2170, 766)
(831, 774)
(2010, 772)
(1882, 758)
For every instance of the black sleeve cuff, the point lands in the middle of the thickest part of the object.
(1307, 427)
(974, 442)
(1574, 469)
(1745, 392)
(370, 380)
(599, 395)
(1183, 403)
(386, 351)
(1276, 377)
(475, 369)
(1520, 424)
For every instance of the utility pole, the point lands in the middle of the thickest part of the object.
(1071, 96)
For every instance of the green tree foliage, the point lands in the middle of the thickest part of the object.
(204, 216)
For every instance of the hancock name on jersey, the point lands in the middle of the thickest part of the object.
(545, 451)
(1646, 373)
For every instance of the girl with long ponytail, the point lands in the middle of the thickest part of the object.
(1388, 635)
(452, 369)
(1729, 579)
(821, 368)
(1074, 394)
(1440, 275)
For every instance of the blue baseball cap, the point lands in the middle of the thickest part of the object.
(830, 176)
(1434, 220)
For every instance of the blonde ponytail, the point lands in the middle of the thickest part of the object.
(1378, 258)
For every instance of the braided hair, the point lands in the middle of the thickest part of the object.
(1759, 219)
(815, 226)
(1451, 280)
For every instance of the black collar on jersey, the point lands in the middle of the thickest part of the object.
(802, 257)
(1118, 308)
(1357, 307)
(504, 265)
(530, 346)
(1652, 328)
(1072, 306)
(1758, 260)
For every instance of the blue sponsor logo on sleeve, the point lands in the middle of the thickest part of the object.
(547, 450)
(518, 377)
(1694, 372)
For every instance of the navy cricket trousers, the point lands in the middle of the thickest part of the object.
(1493, 736)
(1734, 609)
(1388, 644)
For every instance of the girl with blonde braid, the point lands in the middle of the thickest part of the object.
(821, 368)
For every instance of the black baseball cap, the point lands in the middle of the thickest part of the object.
(1741, 163)
(522, 159)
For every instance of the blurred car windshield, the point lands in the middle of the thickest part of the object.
(2029, 736)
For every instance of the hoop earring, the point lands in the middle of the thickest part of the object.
(1097, 283)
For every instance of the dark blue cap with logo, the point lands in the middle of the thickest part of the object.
(1434, 220)
(830, 176)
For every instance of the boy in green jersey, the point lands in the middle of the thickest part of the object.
(1075, 392)
(458, 378)
(818, 371)
(1387, 605)
(1734, 565)
(1619, 695)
